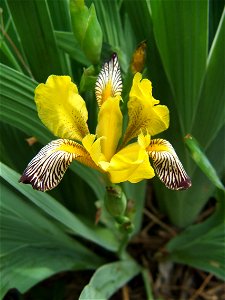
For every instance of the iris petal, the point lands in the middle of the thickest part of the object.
(130, 164)
(109, 82)
(47, 168)
(110, 126)
(61, 108)
(94, 147)
(167, 165)
(144, 111)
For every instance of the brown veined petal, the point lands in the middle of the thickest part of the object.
(109, 82)
(46, 169)
(167, 165)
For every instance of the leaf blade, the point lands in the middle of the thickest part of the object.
(103, 283)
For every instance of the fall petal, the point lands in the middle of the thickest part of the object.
(167, 165)
(46, 169)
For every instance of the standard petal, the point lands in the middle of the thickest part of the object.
(61, 108)
(47, 168)
(130, 164)
(144, 111)
(167, 165)
(110, 126)
(109, 82)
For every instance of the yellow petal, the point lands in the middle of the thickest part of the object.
(144, 140)
(61, 108)
(47, 168)
(110, 126)
(130, 164)
(94, 147)
(109, 82)
(143, 110)
(88, 141)
(167, 165)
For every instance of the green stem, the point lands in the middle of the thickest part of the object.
(147, 283)
(122, 249)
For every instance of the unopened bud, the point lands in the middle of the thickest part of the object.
(88, 79)
(115, 201)
(138, 59)
(86, 29)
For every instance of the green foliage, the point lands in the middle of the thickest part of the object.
(202, 245)
(104, 282)
(186, 66)
(32, 243)
(202, 161)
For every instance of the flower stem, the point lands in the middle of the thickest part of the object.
(122, 249)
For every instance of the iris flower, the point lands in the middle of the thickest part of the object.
(121, 157)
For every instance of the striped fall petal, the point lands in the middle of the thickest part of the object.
(46, 169)
(109, 82)
(167, 165)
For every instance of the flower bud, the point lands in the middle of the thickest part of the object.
(88, 79)
(125, 224)
(138, 59)
(86, 29)
(115, 201)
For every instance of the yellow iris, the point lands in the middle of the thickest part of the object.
(122, 158)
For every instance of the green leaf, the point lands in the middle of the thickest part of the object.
(109, 278)
(202, 161)
(33, 247)
(10, 136)
(67, 42)
(181, 33)
(202, 246)
(49, 205)
(9, 57)
(60, 14)
(17, 105)
(211, 108)
(34, 26)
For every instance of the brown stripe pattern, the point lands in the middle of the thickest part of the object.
(168, 166)
(109, 72)
(46, 169)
